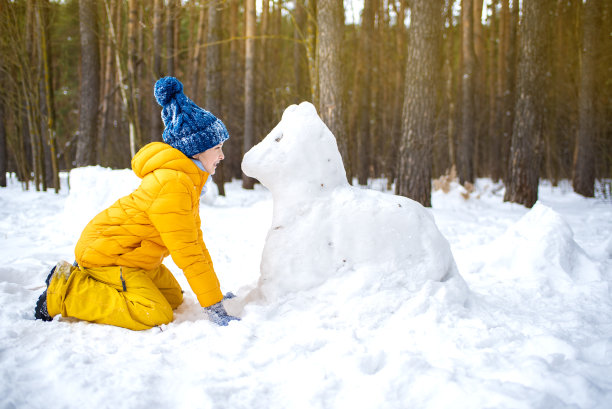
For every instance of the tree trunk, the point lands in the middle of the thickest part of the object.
(419, 114)
(449, 87)
(330, 19)
(501, 136)
(311, 51)
(133, 92)
(479, 87)
(156, 123)
(510, 80)
(213, 75)
(3, 120)
(30, 95)
(522, 185)
(398, 100)
(261, 72)
(15, 73)
(299, 38)
(198, 51)
(584, 155)
(108, 86)
(468, 122)
(40, 112)
(562, 118)
(213, 58)
(364, 90)
(171, 46)
(119, 145)
(493, 126)
(90, 84)
(47, 103)
(235, 110)
(249, 86)
(499, 109)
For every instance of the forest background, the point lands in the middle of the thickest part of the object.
(412, 89)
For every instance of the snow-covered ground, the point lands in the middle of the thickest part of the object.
(535, 331)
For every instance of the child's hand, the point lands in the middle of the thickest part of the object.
(218, 315)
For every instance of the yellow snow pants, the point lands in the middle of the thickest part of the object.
(122, 296)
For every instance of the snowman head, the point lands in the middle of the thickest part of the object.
(300, 153)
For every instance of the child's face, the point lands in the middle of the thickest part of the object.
(210, 158)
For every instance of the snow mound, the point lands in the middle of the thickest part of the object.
(540, 247)
(325, 231)
(94, 188)
(605, 249)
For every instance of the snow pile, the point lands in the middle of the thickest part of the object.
(94, 188)
(349, 243)
(607, 247)
(358, 305)
(539, 250)
(352, 341)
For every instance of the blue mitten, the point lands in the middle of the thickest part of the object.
(217, 313)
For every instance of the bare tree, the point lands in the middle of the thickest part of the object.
(107, 87)
(233, 105)
(90, 83)
(29, 84)
(132, 97)
(213, 58)
(311, 50)
(498, 29)
(449, 85)
(15, 66)
(398, 100)
(500, 136)
(249, 86)
(213, 74)
(479, 88)
(47, 106)
(362, 91)
(523, 175)
(509, 96)
(156, 125)
(419, 114)
(3, 152)
(171, 46)
(199, 48)
(299, 65)
(584, 155)
(330, 19)
(468, 113)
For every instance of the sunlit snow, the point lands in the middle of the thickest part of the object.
(530, 328)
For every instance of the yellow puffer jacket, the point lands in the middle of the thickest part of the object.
(161, 217)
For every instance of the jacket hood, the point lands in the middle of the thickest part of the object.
(159, 155)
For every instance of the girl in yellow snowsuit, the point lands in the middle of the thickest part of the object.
(119, 278)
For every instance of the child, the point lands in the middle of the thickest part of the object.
(118, 277)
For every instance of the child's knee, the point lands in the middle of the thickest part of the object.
(160, 314)
(174, 297)
(168, 285)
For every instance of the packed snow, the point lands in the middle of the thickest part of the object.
(323, 228)
(531, 327)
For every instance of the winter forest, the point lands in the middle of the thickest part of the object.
(412, 90)
(414, 209)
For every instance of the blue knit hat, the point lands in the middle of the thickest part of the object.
(189, 128)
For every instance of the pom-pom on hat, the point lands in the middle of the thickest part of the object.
(189, 128)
